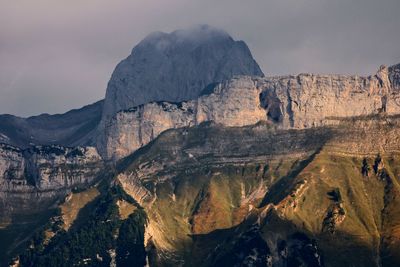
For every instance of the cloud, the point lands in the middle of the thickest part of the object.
(58, 55)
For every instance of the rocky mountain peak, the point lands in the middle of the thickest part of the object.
(176, 66)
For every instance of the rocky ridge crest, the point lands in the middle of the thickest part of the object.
(289, 102)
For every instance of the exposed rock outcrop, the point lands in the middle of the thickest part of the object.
(176, 67)
(47, 167)
(39, 174)
(299, 102)
(173, 67)
(309, 100)
(233, 103)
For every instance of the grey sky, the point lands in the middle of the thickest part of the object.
(58, 55)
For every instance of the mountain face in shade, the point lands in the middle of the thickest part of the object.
(176, 66)
(73, 128)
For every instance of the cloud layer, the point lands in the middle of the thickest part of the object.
(58, 55)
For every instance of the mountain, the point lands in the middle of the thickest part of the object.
(196, 159)
(296, 102)
(176, 66)
(75, 127)
(321, 196)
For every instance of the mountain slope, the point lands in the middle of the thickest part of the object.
(326, 196)
(75, 127)
(207, 169)
(291, 197)
(33, 181)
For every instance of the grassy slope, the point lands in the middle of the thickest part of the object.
(207, 207)
(75, 202)
(207, 212)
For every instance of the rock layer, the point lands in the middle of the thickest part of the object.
(233, 103)
(309, 100)
(39, 174)
(301, 101)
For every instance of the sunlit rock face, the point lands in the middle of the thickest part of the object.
(233, 103)
(309, 100)
(301, 101)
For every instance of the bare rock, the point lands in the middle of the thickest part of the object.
(176, 67)
(233, 103)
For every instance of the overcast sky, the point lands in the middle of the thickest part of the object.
(59, 55)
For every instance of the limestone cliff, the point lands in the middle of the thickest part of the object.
(308, 100)
(173, 67)
(301, 101)
(232, 103)
(34, 176)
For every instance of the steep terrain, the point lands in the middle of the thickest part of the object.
(33, 180)
(233, 103)
(325, 196)
(269, 196)
(173, 67)
(301, 101)
(176, 66)
(196, 159)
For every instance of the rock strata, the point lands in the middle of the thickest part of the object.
(33, 176)
(299, 102)
(233, 103)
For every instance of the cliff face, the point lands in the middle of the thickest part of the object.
(41, 174)
(47, 167)
(298, 102)
(310, 100)
(173, 67)
(176, 67)
(232, 103)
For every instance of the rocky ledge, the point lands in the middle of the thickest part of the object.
(47, 167)
(298, 102)
(30, 179)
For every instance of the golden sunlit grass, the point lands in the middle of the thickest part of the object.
(125, 209)
(74, 204)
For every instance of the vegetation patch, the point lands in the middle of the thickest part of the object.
(93, 243)
(74, 203)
